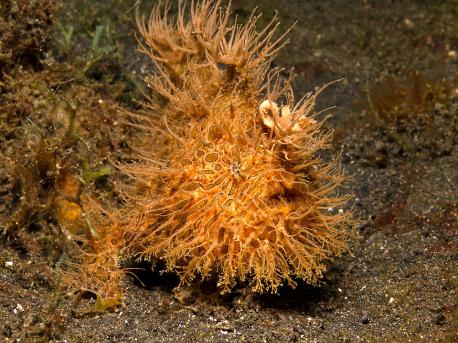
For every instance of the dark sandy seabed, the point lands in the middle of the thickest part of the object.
(395, 124)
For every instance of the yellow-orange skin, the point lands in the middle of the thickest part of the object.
(235, 201)
(217, 192)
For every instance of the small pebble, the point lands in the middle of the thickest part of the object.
(224, 326)
(440, 319)
(409, 23)
(391, 301)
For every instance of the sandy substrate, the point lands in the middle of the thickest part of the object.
(396, 125)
